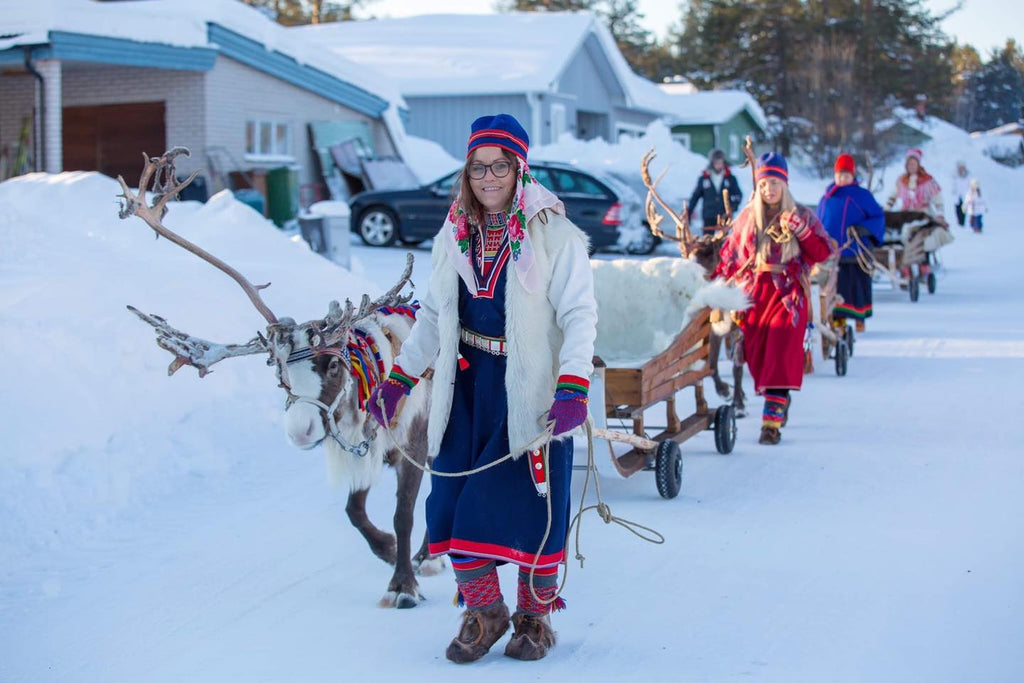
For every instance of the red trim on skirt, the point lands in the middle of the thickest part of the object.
(495, 552)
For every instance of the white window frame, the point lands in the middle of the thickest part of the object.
(734, 146)
(275, 151)
(559, 120)
(684, 139)
(631, 129)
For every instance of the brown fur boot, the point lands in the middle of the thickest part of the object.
(479, 631)
(533, 636)
(770, 436)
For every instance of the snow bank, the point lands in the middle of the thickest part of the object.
(84, 386)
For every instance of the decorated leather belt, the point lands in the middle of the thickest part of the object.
(770, 268)
(496, 346)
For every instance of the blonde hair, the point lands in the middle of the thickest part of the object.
(791, 247)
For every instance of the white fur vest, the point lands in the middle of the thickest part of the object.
(550, 332)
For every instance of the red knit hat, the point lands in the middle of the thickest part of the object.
(845, 163)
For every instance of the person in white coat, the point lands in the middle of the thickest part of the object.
(508, 324)
(974, 206)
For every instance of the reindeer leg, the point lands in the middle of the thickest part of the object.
(738, 397)
(721, 388)
(381, 543)
(403, 591)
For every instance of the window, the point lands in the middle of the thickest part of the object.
(683, 139)
(268, 139)
(734, 146)
(542, 176)
(578, 184)
(557, 121)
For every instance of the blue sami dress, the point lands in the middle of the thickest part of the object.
(840, 209)
(497, 513)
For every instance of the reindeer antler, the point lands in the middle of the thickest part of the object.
(199, 353)
(338, 322)
(166, 187)
(654, 200)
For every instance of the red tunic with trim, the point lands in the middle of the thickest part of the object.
(775, 325)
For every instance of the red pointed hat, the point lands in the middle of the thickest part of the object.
(845, 163)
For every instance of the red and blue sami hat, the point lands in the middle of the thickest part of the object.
(501, 130)
(772, 165)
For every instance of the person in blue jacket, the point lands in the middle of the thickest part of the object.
(847, 205)
(710, 184)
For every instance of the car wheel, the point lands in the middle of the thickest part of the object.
(378, 226)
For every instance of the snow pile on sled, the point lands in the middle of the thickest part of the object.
(665, 292)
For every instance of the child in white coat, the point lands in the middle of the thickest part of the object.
(974, 206)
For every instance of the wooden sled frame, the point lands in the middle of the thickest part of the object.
(631, 391)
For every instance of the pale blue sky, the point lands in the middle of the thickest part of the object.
(986, 24)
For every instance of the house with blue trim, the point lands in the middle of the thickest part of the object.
(98, 83)
(557, 72)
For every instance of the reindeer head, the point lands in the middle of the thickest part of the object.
(704, 249)
(326, 366)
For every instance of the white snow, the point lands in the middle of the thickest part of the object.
(161, 529)
(711, 106)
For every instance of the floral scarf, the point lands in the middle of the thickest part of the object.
(529, 199)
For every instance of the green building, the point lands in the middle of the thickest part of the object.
(721, 119)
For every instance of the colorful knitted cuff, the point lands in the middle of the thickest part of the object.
(774, 411)
(578, 385)
(399, 375)
(799, 227)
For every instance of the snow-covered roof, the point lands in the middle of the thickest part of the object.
(478, 54)
(179, 23)
(709, 107)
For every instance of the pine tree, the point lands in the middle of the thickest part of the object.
(998, 88)
(301, 12)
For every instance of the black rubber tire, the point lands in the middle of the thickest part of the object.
(915, 288)
(378, 226)
(645, 245)
(851, 339)
(668, 469)
(725, 429)
(932, 283)
(841, 359)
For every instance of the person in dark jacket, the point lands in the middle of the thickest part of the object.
(709, 191)
(844, 207)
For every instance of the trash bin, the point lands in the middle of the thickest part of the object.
(312, 229)
(334, 229)
(251, 198)
(282, 194)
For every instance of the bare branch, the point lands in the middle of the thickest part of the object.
(166, 187)
(199, 353)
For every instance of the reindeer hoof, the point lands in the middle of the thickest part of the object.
(431, 566)
(741, 412)
(401, 600)
(724, 391)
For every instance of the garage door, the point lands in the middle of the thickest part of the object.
(111, 138)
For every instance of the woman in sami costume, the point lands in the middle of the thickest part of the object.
(769, 252)
(509, 325)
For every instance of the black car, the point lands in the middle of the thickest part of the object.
(599, 205)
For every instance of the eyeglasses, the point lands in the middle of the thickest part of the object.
(499, 169)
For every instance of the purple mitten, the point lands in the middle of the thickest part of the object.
(569, 409)
(390, 392)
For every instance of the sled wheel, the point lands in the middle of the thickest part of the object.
(668, 469)
(915, 288)
(851, 339)
(932, 283)
(725, 429)
(841, 358)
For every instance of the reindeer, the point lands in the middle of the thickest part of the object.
(704, 250)
(327, 368)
